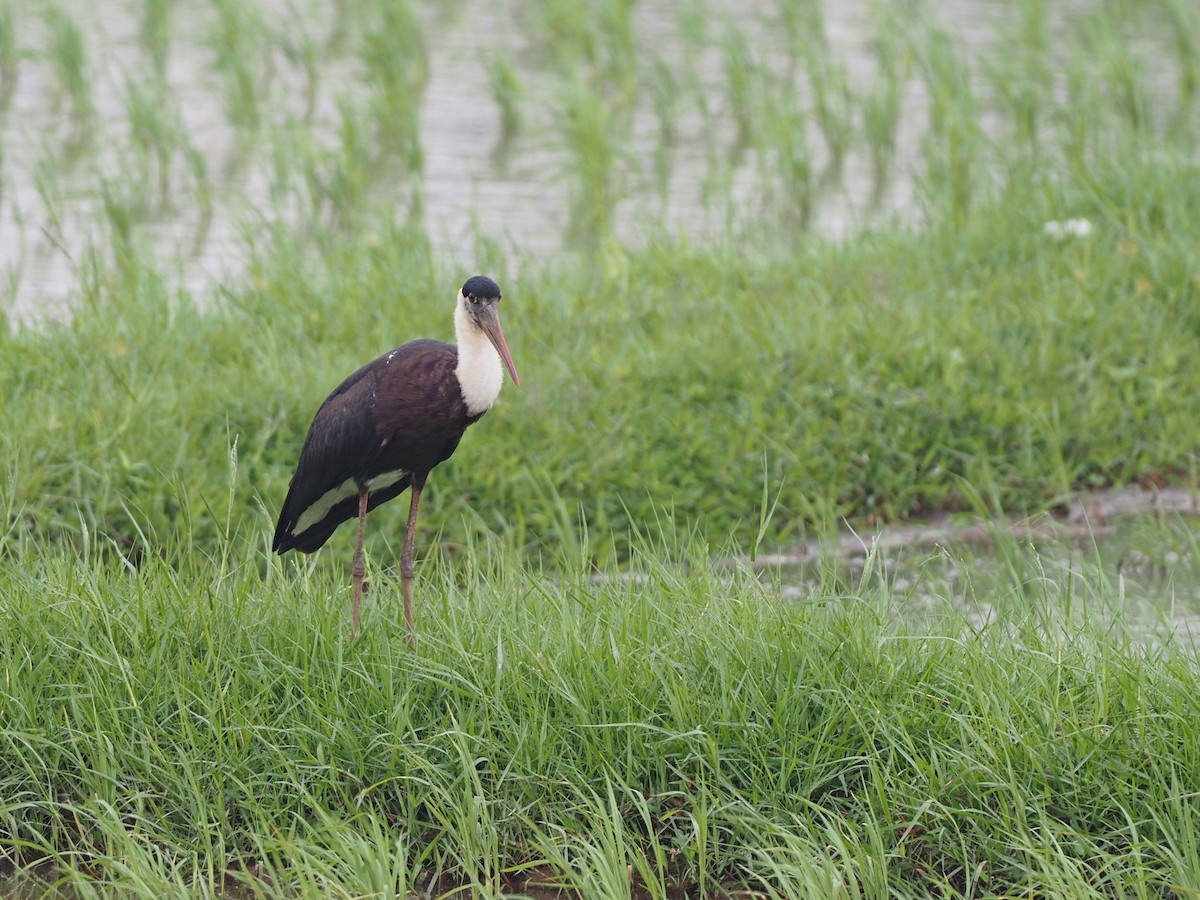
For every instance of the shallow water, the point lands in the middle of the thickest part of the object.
(1135, 576)
(51, 210)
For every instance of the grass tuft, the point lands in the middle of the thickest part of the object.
(183, 726)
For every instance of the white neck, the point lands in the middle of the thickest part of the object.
(479, 371)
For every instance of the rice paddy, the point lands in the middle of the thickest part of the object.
(773, 275)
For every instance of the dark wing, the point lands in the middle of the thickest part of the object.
(340, 442)
(419, 409)
(396, 417)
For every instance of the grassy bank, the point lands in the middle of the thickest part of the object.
(206, 728)
(865, 380)
(861, 380)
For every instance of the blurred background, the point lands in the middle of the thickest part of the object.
(882, 259)
(183, 131)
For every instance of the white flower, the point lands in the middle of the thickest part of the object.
(1069, 228)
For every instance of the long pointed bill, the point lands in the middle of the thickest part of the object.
(491, 327)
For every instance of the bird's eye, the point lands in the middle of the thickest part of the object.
(473, 299)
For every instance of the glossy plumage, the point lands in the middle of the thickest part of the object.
(383, 429)
(401, 412)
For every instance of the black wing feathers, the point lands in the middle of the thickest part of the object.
(402, 411)
(339, 440)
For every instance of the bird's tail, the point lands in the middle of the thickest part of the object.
(313, 536)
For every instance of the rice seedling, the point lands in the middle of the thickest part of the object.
(508, 93)
(620, 53)
(802, 26)
(1021, 77)
(122, 210)
(665, 93)
(154, 130)
(239, 40)
(301, 50)
(803, 35)
(9, 56)
(397, 68)
(833, 108)
(1081, 119)
(345, 183)
(785, 159)
(566, 28)
(595, 137)
(693, 19)
(1118, 70)
(882, 105)
(47, 183)
(154, 33)
(744, 80)
(952, 146)
(202, 193)
(67, 53)
(1184, 23)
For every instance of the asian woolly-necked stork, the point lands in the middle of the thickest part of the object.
(386, 426)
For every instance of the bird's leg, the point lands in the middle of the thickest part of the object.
(407, 569)
(358, 569)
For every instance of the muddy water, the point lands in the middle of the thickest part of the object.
(1125, 561)
(48, 232)
(521, 197)
(46, 236)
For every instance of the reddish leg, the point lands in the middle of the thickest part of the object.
(359, 569)
(407, 568)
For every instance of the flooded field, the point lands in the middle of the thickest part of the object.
(181, 132)
(1140, 574)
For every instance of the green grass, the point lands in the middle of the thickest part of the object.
(595, 699)
(177, 728)
(872, 378)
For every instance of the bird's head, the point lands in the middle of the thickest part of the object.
(479, 309)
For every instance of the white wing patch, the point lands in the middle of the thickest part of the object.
(321, 508)
(343, 491)
(387, 479)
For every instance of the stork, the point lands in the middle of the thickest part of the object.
(384, 428)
